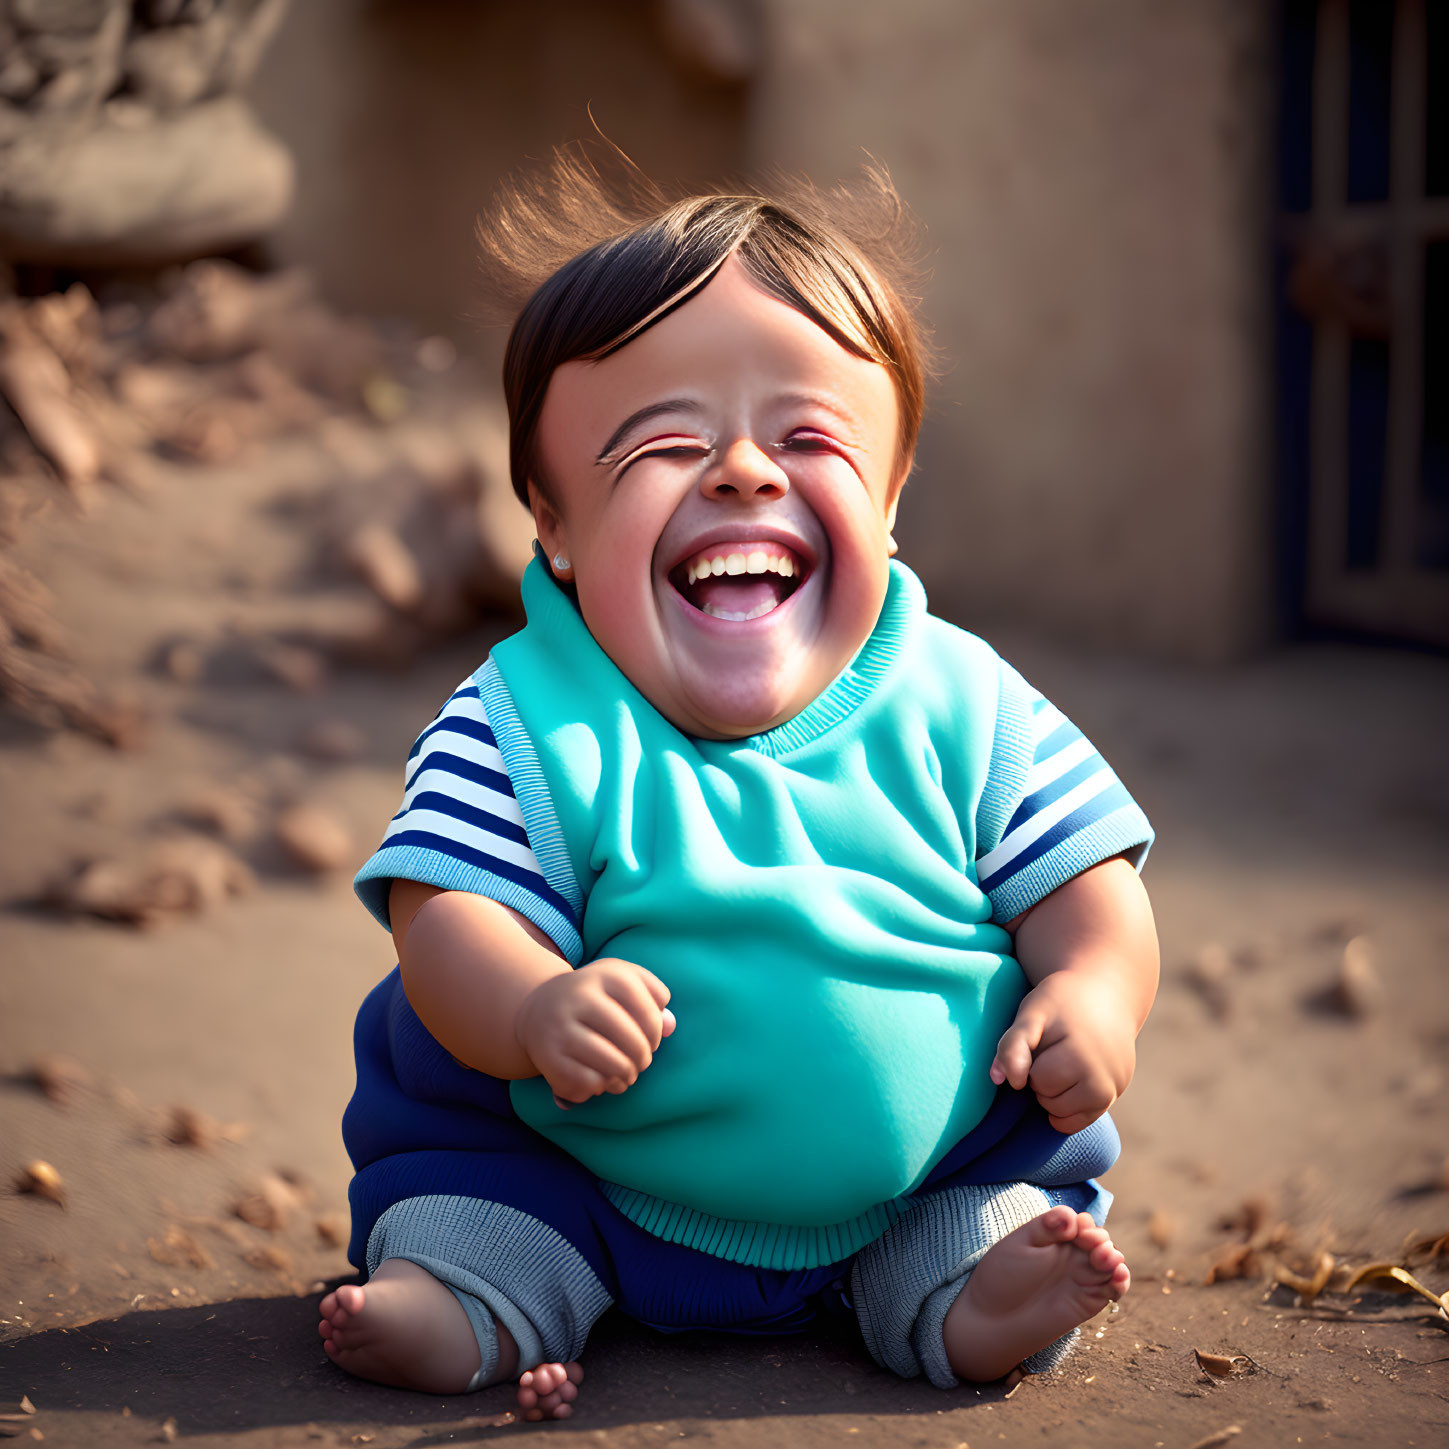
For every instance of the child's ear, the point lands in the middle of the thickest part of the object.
(551, 534)
(897, 488)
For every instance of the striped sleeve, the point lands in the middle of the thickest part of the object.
(460, 827)
(1052, 806)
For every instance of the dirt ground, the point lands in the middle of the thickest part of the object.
(1301, 802)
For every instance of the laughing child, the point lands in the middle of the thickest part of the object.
(767, 945)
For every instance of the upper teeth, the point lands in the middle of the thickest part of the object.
(755, 562)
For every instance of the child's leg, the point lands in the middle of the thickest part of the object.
(462, 1294)
(974, 1280)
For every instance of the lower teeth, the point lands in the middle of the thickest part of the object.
(734, 615)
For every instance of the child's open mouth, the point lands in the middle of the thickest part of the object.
(739, 580)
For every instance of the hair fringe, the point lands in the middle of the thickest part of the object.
(591, 191)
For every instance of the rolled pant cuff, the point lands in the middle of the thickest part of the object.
(500, 1263)
(904, 1284)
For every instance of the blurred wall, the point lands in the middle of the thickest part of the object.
(404, 114)
(1094, 175)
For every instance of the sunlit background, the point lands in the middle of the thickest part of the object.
(1187, 465)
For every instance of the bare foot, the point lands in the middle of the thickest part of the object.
(549, 1391)
(1035, 1285)
(405, 1328)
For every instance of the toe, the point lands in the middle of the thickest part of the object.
(328, 1305)
(575, 1371)
(350, 1298)
(325, 1329)
(1104, 1257)
(1057, 1225)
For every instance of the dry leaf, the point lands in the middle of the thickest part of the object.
(174, 877)
(61, 1078)
(1357, 991)
(269, 1257)
(1160, 1228)
(179, 1249)
(314, 838)
(186, 1127)
(1249, 1218)
(1430, 1248)
(43, 1180)
(1222, 1436)
(1387, 1273)
(1234, 1260)
(333, 1229)
(386, 565)
(269, 1206)
(1307, 1288)
(1224, 1365)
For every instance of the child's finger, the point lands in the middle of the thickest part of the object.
(657, 989)
(639, 994)
(1056, 1069)
(1087, 1098)
(596, 1054)
(1013, 1052)
(613, 1022)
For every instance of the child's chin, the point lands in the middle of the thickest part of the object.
(741, 705)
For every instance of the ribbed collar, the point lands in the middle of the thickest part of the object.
(554, 608)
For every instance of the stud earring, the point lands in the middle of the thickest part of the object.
(560, 562)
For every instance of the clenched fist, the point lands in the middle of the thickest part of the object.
(1074, 1043)
(595, 1029)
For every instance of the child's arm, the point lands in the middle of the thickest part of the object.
(1089, 950)
(497, 994)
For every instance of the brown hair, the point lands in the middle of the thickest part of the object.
(600, 259)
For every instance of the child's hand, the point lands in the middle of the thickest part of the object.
(595, 1029)
(1075, 1043)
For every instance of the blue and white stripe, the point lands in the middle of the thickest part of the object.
(460, 826)
(1073, 813)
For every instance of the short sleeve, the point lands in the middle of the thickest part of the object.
(1051, 808)
(460, 826)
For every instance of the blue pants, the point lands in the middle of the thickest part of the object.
(441, 1158)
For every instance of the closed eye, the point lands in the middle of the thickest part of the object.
(811, 443)
(675, 450)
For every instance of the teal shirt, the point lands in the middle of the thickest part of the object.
(809, 897)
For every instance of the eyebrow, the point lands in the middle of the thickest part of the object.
(820, 400)
(652, 410)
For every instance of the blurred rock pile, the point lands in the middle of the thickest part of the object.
(200, 369)
(123, 139)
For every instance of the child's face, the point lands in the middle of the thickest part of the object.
(735, 429)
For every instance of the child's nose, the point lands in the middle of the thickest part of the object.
(745, 471)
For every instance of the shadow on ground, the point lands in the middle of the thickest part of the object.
(257, 1363)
